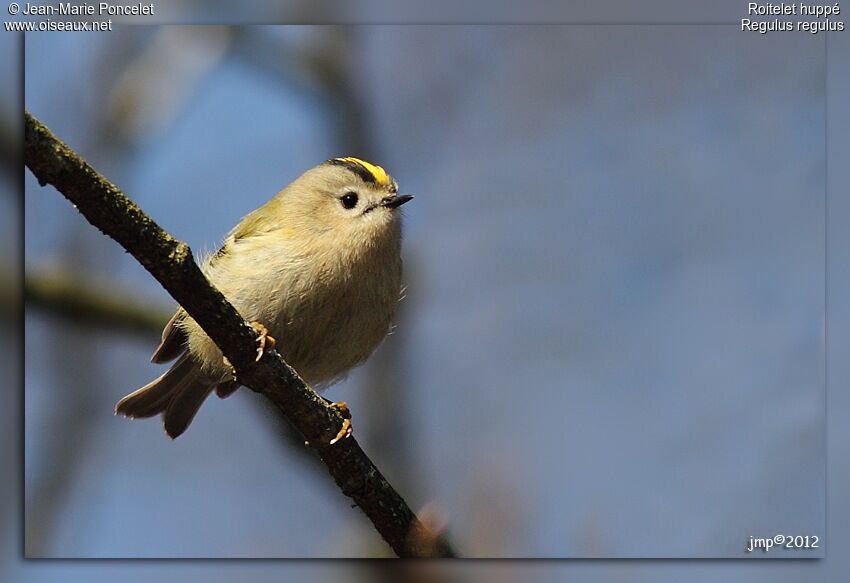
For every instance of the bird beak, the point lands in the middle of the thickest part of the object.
(394, 201)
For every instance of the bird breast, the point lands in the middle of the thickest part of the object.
(327, 311)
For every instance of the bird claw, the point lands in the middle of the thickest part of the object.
(346, 429)
(264, 340)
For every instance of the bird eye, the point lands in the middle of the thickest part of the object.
(349, 200)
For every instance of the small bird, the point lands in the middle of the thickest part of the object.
(318, 267)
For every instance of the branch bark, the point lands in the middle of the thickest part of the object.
(170, 261)
(59, 294)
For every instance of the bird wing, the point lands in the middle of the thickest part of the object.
(173, 340)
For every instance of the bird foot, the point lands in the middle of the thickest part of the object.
(346, 429)
(264, 340)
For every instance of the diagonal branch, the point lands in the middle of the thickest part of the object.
(170, 262)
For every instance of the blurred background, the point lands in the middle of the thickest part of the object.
(613, 338)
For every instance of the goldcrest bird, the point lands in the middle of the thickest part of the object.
(318, 267)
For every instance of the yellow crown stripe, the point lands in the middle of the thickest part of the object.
(379, 174)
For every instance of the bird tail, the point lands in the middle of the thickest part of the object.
(178, 394)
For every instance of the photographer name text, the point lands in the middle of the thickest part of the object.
(99, 9)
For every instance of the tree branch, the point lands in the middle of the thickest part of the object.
(60, 294)
(170, 262)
